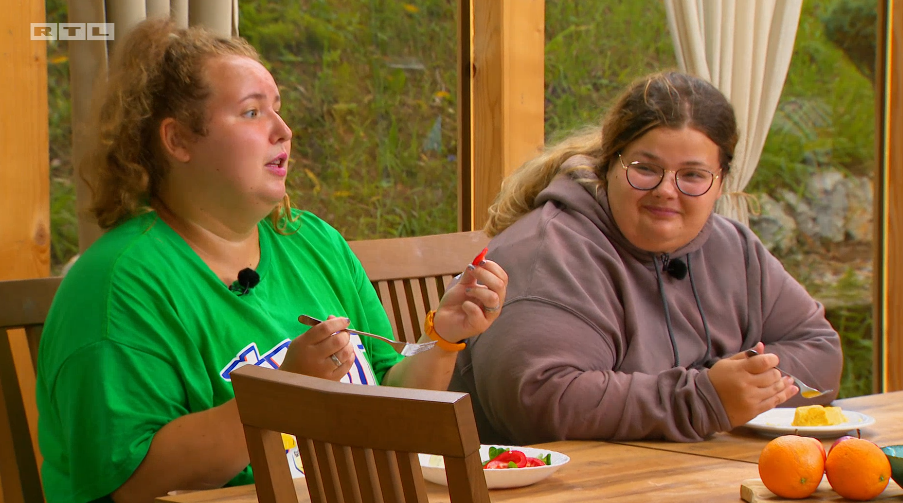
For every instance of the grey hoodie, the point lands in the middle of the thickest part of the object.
(583, 349)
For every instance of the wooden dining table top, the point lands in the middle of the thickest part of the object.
(597, 471)
(640, 471)
(744, 444)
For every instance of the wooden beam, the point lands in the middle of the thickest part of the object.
(507, 96)
(465, 116)
(24, 145)
(888, 371)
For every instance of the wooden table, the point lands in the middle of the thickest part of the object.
(743, 444)
(712, 470)
(597, 471)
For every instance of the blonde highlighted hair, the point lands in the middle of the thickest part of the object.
(670, 99)
(157, 72)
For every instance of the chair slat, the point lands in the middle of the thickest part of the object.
(412, 483)
(329, 474)
(365, 468)
(385, 295)
(400, 298)
(387, 472)
(416, 306)
(312, 473)
(344, 461)
(270, 469)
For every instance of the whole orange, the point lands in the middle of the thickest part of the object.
(792, 466)
(857, 469)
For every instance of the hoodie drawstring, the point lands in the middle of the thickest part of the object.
(705, 324)
(665, 258)
(661, 292)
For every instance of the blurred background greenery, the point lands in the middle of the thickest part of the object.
(368, 87)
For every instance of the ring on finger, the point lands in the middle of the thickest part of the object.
(491, 309)
(335, 359)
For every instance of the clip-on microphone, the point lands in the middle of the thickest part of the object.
(247, 279)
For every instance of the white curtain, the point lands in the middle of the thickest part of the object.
(743, 47)
(88, 60)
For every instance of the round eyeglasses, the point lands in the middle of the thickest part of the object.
(693, 182)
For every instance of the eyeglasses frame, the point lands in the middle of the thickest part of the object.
(676, 177)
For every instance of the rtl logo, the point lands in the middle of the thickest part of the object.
(72, 31)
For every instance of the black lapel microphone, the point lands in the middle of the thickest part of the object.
(247, 279)
(677, 268)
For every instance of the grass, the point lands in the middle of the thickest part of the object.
(368, 87)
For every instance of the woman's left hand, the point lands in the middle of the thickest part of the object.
(473, 303)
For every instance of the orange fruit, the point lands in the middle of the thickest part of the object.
(792, 466)
(857, 469)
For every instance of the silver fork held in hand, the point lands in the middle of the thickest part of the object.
(806, 391)
(400, 347)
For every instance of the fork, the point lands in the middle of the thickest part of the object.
(400, 347)
(806, 391)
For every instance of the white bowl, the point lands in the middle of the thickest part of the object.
(434, 468)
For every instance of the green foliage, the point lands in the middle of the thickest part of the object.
(593, 51)
(855, 326)
(851, 25)
(826, 116)
(364, 84)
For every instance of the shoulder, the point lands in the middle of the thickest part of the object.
(143, 246)
(307, 226)
(731, 238)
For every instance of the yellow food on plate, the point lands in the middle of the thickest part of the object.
(816, 415)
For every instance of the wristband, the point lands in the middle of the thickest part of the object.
(430, 330)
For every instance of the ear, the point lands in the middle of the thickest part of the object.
(175, 140)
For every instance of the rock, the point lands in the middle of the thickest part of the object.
(860, 212)
(801, 212)
(827, 195)
(773, 225)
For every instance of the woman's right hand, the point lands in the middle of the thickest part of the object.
(749, 386)
(312, 352)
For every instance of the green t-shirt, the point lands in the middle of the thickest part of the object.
(142, 332)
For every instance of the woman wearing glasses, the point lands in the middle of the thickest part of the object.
(630, 302)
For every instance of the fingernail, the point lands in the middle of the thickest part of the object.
(471, 267)
(482, 262)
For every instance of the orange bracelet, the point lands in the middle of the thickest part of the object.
(430, 330)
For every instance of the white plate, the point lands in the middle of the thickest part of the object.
(776, 422)
(434, 468)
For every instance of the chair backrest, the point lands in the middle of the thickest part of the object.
(23, 308)
(410, 274)
(357, 443)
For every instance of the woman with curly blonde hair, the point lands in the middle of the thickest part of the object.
(631, 303)
(204, 268)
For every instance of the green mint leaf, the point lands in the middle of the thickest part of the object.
(512, 464)
(495, 451)
(547, 459)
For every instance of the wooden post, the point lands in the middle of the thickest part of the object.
(507, 93)
(24, 145)
(888, 370)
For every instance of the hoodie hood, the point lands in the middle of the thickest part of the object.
(575, 187)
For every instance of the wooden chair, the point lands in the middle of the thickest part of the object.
(410, 274)
(358, 443)
(23, 305)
